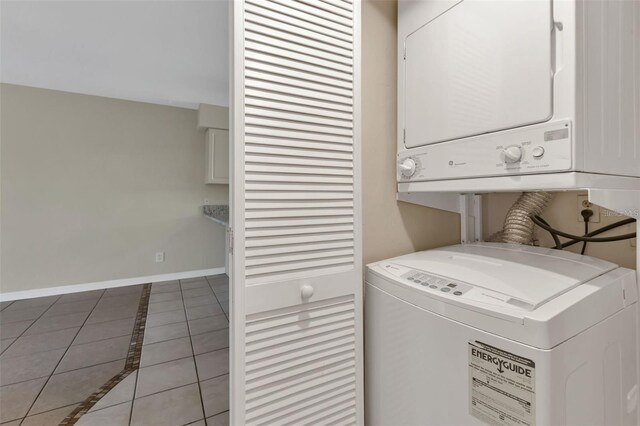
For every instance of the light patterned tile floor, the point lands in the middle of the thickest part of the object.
(55, 351)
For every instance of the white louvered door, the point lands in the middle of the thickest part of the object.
(296, 352)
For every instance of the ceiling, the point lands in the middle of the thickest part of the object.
(165, 52)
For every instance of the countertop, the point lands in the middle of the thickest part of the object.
(217, 213)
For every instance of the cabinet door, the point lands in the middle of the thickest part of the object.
(217, 156)
(480, 67)
(296, 302)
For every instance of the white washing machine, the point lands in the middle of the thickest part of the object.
(502, 335)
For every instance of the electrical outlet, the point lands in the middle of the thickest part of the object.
(206, 202)
(159, 257)
(583, 203)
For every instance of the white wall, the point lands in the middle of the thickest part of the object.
(92, 187)
(165, 52)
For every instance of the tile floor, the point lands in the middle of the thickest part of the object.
(56, 351)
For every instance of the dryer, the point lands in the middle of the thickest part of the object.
(517, 87)
(499, 334)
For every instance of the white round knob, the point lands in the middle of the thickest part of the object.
(537, 152)
(512, 154)
(407, 167)
(306, 291)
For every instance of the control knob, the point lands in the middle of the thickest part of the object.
(512, 154)
(407, 167)
(538, 152)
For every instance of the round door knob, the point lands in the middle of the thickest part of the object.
(512, 154)
(306, 291)
(407, 167)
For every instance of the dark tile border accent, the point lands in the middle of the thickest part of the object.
(131, 365)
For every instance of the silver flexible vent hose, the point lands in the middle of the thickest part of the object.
(518, 226)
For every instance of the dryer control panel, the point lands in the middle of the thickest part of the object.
(542, 148)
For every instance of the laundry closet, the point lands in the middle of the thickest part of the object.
(505, 109)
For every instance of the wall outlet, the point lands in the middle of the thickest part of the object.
(207, 202)
(159, 257)
(583, 203)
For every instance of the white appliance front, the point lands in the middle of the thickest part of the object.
(418, 373)
(480, 67)
(517, 87)
(436, 358)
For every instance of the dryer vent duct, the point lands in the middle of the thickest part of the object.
(518, 226)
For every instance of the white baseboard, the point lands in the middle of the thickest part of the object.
(76, 288)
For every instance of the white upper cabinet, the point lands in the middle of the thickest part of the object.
(217, 156)
(215, 119)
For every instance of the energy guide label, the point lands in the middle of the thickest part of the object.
(501, 386)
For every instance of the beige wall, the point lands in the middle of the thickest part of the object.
(391, 228)
(562, 214)
(93, 187)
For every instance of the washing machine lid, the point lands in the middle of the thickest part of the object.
(530, 276)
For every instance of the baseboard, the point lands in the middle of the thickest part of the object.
(76, 288)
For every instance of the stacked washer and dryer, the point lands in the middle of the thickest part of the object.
(504, 93)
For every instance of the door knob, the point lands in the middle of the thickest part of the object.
(306, 291)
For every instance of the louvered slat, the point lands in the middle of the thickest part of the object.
(301, 370)
(279, 204)
(266, 167)
(287, 43)
(272, 86)
(328, 19)
(293, 125)
(297, 222)
(285, 35)
(292, 414)
(265, 232)
(278, 12)
(297, 152)
(328, 8)
(342, 417)
(298, 161)
(294, 388)
(294, 108)
(319, 147)
(277, 100)
(299, 118)
(297, 134)
(297, 213)
(289, 196)
(299, 257)
(317, 189)
(277, 390)
(295, 60)
(283, 25)
(300, 179)
(297, 239)
(282, 412)
(307, 246)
